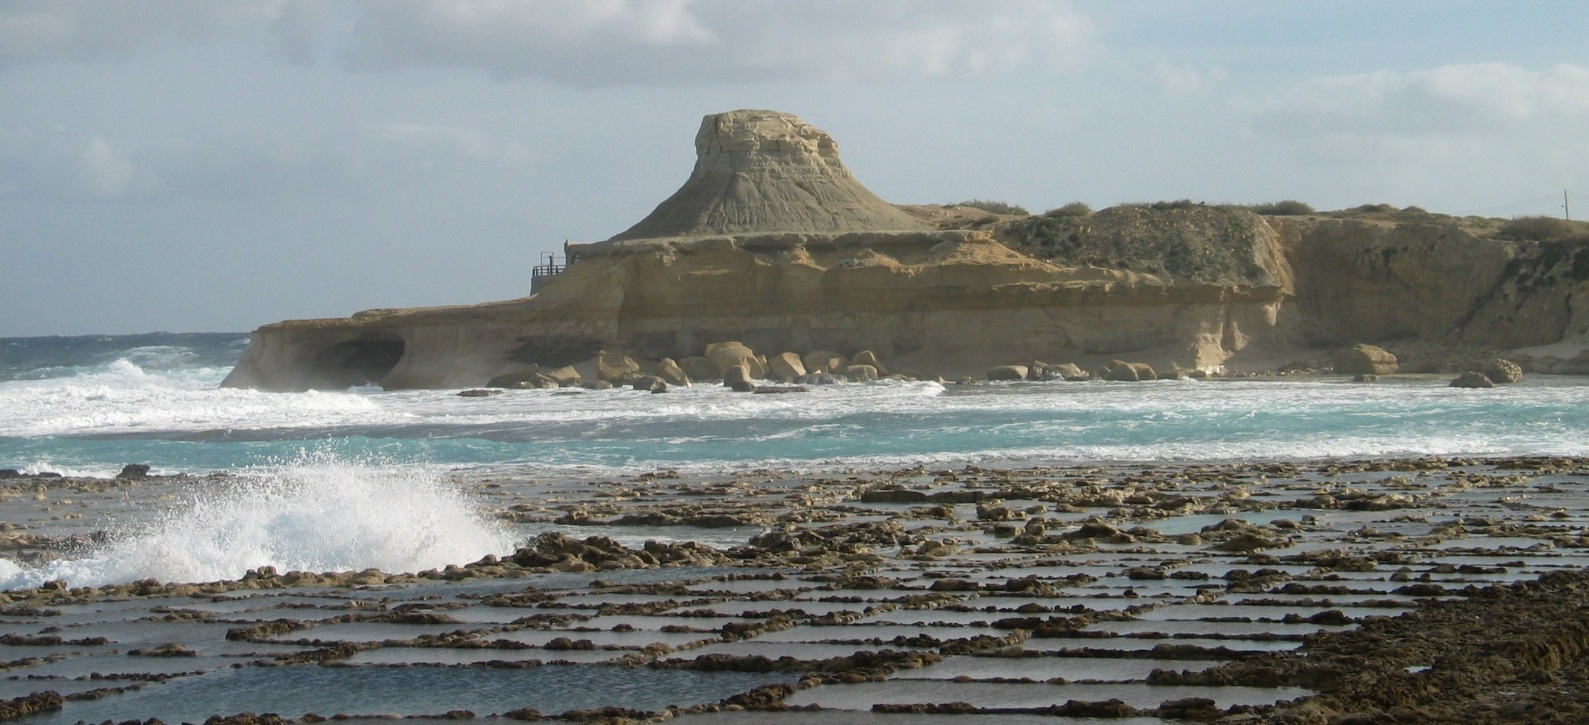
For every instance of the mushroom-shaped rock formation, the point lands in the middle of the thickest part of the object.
(762, 172)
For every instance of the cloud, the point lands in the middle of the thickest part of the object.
(33, 31)
(380, 158)
(1477, 134)
(1452, 99)
(38, 163)
(618, 42)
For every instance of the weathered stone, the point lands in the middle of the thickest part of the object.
(479, 392)
(766, 171)
(1008, 372)
(1501, 371)
(738, 379)
(1065, 371)
(860, 373)
(565, 376)
(867, 357)
(823, 361)
(700, 368)
(785, 367)
(1472, 379)
(650, 383)
(1129, 372)
(670, 372)
(1364, 360)
(616, 368)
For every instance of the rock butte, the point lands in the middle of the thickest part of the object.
(772, 243)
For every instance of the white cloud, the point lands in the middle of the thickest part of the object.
(584, 42)
(1187, 80)
(56, 163)
(1480, 135)
(38, 30)
(616, 42)
(1470, 98)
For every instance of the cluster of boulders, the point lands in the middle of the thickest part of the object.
(1488, 374)
(734, 363)
(1117, 370)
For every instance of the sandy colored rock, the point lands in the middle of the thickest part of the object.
(700, 368)
(1501, 371)
(867, 357)
(670, 372)
(823, 361)
(765, 171)
(726, 355)
(785, 367)
(616, 368)
(1472, 379)
(1130, 372)
(1008, 372)
(1364, 359)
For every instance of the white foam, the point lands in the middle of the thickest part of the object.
(317, 516)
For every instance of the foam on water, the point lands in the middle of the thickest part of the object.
(314, 516)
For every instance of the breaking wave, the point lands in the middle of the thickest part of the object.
(316, 516)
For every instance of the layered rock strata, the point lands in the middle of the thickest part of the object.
(772, 243)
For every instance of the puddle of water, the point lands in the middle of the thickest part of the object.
(295, 691)
(986, 694)
(1046, 668)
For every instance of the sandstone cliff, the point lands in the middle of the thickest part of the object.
(773, 243)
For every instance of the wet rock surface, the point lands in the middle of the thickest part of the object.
(1394, 591)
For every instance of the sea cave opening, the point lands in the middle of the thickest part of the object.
(358, 362)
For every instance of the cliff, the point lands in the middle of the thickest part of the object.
(772, 242)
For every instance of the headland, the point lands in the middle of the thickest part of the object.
(772, 245)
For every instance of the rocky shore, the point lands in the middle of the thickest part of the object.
(1375, 591)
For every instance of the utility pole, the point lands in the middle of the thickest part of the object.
(1566, 212)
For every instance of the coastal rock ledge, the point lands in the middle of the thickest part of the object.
(773, 243)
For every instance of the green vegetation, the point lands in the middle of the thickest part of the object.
(1538, 228)
(1073, 209)
(1288, 207)
(1183, 241)
(994, 207)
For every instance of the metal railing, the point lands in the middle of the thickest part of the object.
(548, 268)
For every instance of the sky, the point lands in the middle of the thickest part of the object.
(168, 165)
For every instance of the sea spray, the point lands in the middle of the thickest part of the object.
(316, 516)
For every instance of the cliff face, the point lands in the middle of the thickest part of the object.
(772, 243)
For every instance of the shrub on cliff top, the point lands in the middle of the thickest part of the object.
(1073, 209)
(1288, 207)
(994, 207)
(1538, 228)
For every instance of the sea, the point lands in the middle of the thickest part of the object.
(367, 462)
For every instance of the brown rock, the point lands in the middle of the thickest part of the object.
(785, 367)
(671, 373)
(823, 361)
(1472, 379)
(1364, 360)
(1008, 372)
(867, 357)
(1501, 371)
(616, 368)
(700, 368)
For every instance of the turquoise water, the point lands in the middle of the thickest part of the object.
(91, 409)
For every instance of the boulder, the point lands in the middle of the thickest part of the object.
(1500, 371)
(823, 361)
(1365, 378)
(515, 378)
(565, 376)
(738, 379)
(726, 355)
(700, 368)
(1066, 371)
(859, 373)
(1129, 372)
(1364, 360)
(472, 393)
(650, 383)
(785, 367)
(1008, 372)
(671, 373)
(867, 357)
(818, 379)
(1472, 379)
(1036, 370)
(136, 471)
(616, 368)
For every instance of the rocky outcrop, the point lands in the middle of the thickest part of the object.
(772, 245)
(764, 172)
